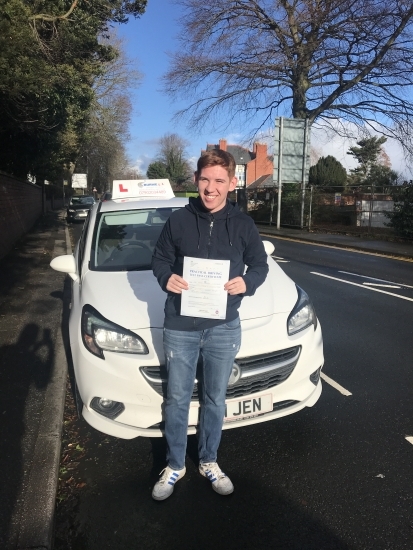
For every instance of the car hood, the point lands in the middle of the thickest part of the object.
(135, 300)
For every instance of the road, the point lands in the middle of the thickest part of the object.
(336, 476)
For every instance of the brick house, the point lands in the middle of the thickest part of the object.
(254, 169)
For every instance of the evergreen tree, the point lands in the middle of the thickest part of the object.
(401, 219)
(50, 57)
(328, 174)
(366, 154)
(156, 170)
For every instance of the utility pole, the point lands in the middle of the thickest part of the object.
(304, 172)
(279, 174)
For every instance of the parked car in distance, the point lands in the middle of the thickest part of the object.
(116, 327)
(79, 207)
(106, 196)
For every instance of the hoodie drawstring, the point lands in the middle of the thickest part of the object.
(227, 227)
(197, 226)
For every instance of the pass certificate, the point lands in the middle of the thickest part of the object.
(206, 296)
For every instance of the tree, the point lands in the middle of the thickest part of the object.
(401, 219)
(172, 155)
(328, 174)
(156, 170)
(366, 154)
(256, 59)
(49, 62)
(374, 169)
(102, 150)
(382, 178)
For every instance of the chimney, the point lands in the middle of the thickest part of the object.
(223, 144)
(260, 150)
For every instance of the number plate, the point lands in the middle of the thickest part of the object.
(245, 408)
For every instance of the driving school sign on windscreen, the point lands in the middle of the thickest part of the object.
(155, 188)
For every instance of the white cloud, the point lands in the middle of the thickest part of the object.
(327, 142)
(141, 163)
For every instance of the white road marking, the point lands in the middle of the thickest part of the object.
(280, 260)
(335, 384)
(362, 286)
(409, 438)
(381, 285)
(376, 279)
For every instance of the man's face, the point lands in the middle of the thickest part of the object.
(214, 184)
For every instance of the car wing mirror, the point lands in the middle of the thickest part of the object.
(66, 264)
(269, 247)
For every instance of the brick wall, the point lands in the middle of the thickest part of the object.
(20, 207)
(261, 165)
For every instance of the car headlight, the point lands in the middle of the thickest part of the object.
(71, 211)
(99, 334)
(302, 315)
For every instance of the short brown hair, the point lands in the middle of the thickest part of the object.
(216, 157)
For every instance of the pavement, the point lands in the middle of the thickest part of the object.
(33, 371)
(401, 250)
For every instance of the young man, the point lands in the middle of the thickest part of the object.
(211, 227)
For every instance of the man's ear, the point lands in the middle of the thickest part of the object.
(233, 183)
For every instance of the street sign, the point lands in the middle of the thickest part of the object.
(291, 158)
(79, 181)
(292, 136)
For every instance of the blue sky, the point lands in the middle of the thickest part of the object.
(147, 40)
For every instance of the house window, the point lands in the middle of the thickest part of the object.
(240, 174)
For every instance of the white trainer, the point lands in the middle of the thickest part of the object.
(220, 482)
(165, 486)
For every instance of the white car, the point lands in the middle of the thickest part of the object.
(116, 327)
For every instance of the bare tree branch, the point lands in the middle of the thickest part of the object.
(52, 18)
(251, 60)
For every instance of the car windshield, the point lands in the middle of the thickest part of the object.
(124, 241)
(82, 200)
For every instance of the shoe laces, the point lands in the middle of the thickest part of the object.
(213, 470)
(167, 475)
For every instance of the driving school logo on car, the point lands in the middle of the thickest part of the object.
(150, 184)
(138, 189)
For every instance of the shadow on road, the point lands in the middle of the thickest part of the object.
(25, 367)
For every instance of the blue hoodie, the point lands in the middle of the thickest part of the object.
(227, 234)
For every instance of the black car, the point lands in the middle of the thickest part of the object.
(107, 195)
(79, 207)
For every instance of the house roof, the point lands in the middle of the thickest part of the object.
(262, 182)
(240, 154)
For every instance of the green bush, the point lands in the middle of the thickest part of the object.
(401, 219)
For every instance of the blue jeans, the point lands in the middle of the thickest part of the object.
(218, 347)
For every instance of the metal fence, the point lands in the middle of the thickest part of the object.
(350, 209)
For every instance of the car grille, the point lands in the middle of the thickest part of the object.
(258, 373)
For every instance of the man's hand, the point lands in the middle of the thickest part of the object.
(176, 284)
(236, 286)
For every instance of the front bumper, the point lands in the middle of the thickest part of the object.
(120, 379)
(78, 215)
